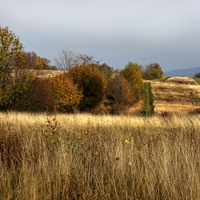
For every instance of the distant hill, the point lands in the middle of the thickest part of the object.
(189, 72)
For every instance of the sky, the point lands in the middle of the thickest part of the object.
(113, 31)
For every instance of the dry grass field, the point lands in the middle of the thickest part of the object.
(99, 157)
(176, 94)
(47, 73)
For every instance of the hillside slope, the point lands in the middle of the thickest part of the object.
(189, 72)
(176, 94)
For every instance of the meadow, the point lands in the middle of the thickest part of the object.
(83, 156)
(176, 95)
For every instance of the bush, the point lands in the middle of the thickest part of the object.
(148, 107)
(91, 82)
(65, 94)
(57, 94)
(152, 71)
(133, 74)
(106, 69)
(37, 98)
(119, 93)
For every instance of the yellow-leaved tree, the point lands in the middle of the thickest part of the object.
(133, 74)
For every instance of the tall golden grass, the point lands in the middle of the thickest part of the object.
(99, 157)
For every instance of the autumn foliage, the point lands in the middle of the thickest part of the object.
(57, 94)
(133, 74)
(91, 82)
(119, 93)
(13, 80)
(65, 94)
(37, 98)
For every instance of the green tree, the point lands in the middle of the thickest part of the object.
(133, 74)
(152, 71)
(14, 79)
(91, 82)
(148, 107)
(106, 69)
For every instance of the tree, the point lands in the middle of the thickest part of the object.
(153, 71)
(33, 61)
(65, 93)
(133, 74)
(37, 98)
(30, 59)
(106, 69)
(67, 60)
(86, 60)
(91, 82)
(119, 93)
(197, 75)
(14, 79)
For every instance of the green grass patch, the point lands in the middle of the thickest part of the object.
(197, 80)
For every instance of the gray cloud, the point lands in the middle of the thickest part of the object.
(114, 31)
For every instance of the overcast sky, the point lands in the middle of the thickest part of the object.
(113, 31)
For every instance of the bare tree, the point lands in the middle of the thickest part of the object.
(67, 60)
(87, 60)
(30, 59)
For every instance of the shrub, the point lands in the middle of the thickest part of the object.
(37, 98)
(91, 82)
(152, 71)
(106, 69)
(148, 107)
(133, 74)
(120, 93)
(57, 94)
(65, 94)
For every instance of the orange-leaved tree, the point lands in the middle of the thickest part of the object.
(91, 82)
(65, 94)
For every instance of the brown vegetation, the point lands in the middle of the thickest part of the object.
(176, 94)
(99, 157)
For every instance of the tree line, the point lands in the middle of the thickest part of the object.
(85, 85)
